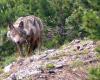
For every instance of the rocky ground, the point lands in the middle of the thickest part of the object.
(69, 62)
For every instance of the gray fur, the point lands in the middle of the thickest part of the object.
(26, 30)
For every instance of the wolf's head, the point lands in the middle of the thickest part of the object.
(18, 34)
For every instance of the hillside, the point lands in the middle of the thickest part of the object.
(71, 40)
(69, 62)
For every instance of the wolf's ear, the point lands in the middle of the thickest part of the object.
(21, 25)
(10, 25)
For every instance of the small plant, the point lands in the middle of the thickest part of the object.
(85, 51)
(1, 70)
(4, 76)
(9, 60)
(50, 66)
(98, 48)
(94, 73)
(76, 63)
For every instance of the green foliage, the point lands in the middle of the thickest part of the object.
(98, 48)
(53, 42)
(72, 19)
(8, 60)
(50, 66)
(7, 49)
(91, 23)
(94, 73)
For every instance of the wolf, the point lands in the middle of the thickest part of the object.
(26, 32)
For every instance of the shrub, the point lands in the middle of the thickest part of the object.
(94, 73)
(98, 48)
(9, 60)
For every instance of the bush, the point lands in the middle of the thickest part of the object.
(98, 48)
(54, 42)
(94, 73)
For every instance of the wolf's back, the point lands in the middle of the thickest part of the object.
(32, 24)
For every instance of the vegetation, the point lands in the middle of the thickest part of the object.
(64, 20)
(68, 19)
(50, 66)
(98, 49)
(94, 73)
(76, 63)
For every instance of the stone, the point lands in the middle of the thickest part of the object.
(8, 68)
(14, 77)
(77, 41)
(35, 65)
(51, 71)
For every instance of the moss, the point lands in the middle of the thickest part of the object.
(50, 66)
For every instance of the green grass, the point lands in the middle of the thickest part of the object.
(50, 66)
(76, 63)
(1, 70)
(97, 49)
(7, 60)
(94, 73)
(83, 52)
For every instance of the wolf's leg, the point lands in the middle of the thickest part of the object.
(26, 48)
(39, 44)
(20, 49)
(30, 50)
(17, 53)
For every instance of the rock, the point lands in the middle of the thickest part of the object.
(20, 61)
(8, 68)
(75, 41)
(43, 76)
(14, 77)
(84, 45)
(31, 60)
(35, 65)
(38, 57)
(51, 71)
(35, 57)
(49, 51)
(78, 47)
(59, 66)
